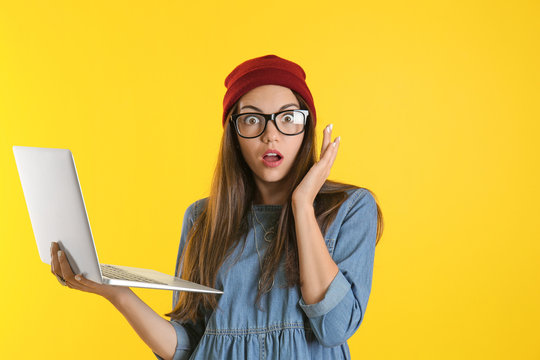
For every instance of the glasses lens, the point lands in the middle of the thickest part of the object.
(291, 122)
(250, 124)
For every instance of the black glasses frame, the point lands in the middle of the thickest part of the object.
(267, 118)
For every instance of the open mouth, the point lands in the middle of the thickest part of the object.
(272, 158)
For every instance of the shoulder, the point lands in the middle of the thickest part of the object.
(196, 208)
(359, 210)
(358, 199)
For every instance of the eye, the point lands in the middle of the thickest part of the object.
(287, 118)
(251, 120)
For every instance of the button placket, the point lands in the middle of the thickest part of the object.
(262, 347)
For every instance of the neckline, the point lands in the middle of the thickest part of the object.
(267, 208)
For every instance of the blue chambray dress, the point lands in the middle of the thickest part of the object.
(287, 328)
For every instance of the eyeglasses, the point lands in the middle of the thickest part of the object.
(252, 125)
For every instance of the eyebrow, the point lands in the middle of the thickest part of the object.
(257, 109)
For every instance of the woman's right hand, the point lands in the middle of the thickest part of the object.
(60, 268)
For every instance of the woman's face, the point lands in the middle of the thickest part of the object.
(269, 99)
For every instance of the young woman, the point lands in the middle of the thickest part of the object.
(292, 251)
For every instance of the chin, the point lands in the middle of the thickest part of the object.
(272, 179)
(276, 177)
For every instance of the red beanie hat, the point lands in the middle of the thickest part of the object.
(266, 70)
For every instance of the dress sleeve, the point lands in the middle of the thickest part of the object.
(335, 318)
(188, 334)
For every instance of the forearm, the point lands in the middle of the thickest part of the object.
(317, 268)
(155, 331)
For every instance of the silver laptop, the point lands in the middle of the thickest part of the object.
(57, 212)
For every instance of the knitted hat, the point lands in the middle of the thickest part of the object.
(266, 70)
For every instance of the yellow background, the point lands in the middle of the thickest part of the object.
(437, 104)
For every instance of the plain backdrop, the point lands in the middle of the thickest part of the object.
(436, 103)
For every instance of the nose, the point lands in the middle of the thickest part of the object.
(271, 133)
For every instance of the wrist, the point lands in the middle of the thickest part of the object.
(118, 295)
(301, 206)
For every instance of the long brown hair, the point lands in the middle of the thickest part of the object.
(223, 221)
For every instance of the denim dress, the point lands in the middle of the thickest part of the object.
(287, 327)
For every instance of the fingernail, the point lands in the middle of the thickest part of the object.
(331, 126)
(59, 253)
(327, 129)
(78, 277)
(338, 139)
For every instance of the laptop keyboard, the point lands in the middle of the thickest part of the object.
(113, 272)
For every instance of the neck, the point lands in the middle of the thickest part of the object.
(270, 193)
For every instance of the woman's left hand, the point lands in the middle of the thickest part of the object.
(310, 185)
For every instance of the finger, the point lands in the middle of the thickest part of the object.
(335, 146)
(336, 141)
(66, 271)
(55, 266)
(86, 283)
(77, 282)
(330, 156)
(56, 269)
(327, 135)
(331, 151)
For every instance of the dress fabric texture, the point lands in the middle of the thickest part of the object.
(287, 328)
